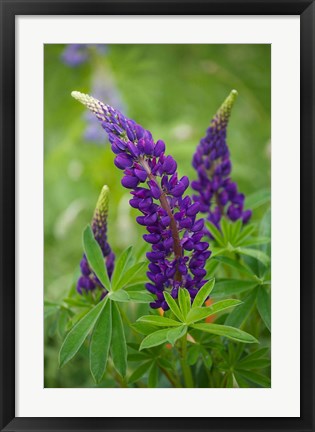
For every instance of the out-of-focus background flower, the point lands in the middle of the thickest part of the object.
(172, 90)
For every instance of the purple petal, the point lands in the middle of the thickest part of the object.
(193, 209)
(129, 182)
(123, 161)
(159, 148)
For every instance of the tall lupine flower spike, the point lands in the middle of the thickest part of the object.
(217, 194)
(178, 255)
(88, 281)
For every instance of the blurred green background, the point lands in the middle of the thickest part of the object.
(172, 90)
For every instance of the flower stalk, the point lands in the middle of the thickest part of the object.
(178, 254)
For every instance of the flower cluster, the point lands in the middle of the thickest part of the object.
(76, 54)
(217, 194)
(88, 281)
(178, 254)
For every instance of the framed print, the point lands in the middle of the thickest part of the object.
(159, 161)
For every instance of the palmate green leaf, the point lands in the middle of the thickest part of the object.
(256, 241)
(51, 303)
(215, 251)
(264, 306)
(140, 296)
(206, 357)
(119, 345)
(184, 301)
(120, 267)
(100, 343)
(119, 296)
(225, 228)
(203, 293)
(238, 316)
(258, 199)
(76, 318)
(176, 333)
(215, 233)
(153, 376)
(235, 230)
(139, 372)
(144, 328)
(50, 310)
(76, 303)
(159, 321)
(197, 314)
(135, 274)
(256, 354)
(166, 364)
(255, 377)
(210, 267)
(228, 287)
(235, 264)
(255, 253)
(137, 286)
(95, 257)
(154, 339)
(63, 321)
(226, 331)
(140, 253)
(193, 354)
(246, 231)
(242, 382)
(137, 357)
(52, 329)
(254, 364)
(173, 306)
(78, 334)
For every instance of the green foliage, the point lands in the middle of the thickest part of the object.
(120, 266)
(78, 334)
(95, 258)
(74, 172)
(100, 342)
(187, 315)
(203, 293)
(119, 346)
(238, 240)
(226, 331)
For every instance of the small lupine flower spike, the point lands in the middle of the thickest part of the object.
(88, 281)
(216, 194)
(178, 254)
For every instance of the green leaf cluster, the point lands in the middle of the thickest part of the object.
(187, 315)
(103, 321)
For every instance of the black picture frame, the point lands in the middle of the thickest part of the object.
(9, 10)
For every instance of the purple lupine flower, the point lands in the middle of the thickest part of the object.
(178, 254)
(216, 194)
(76, 54)
(88, 281)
